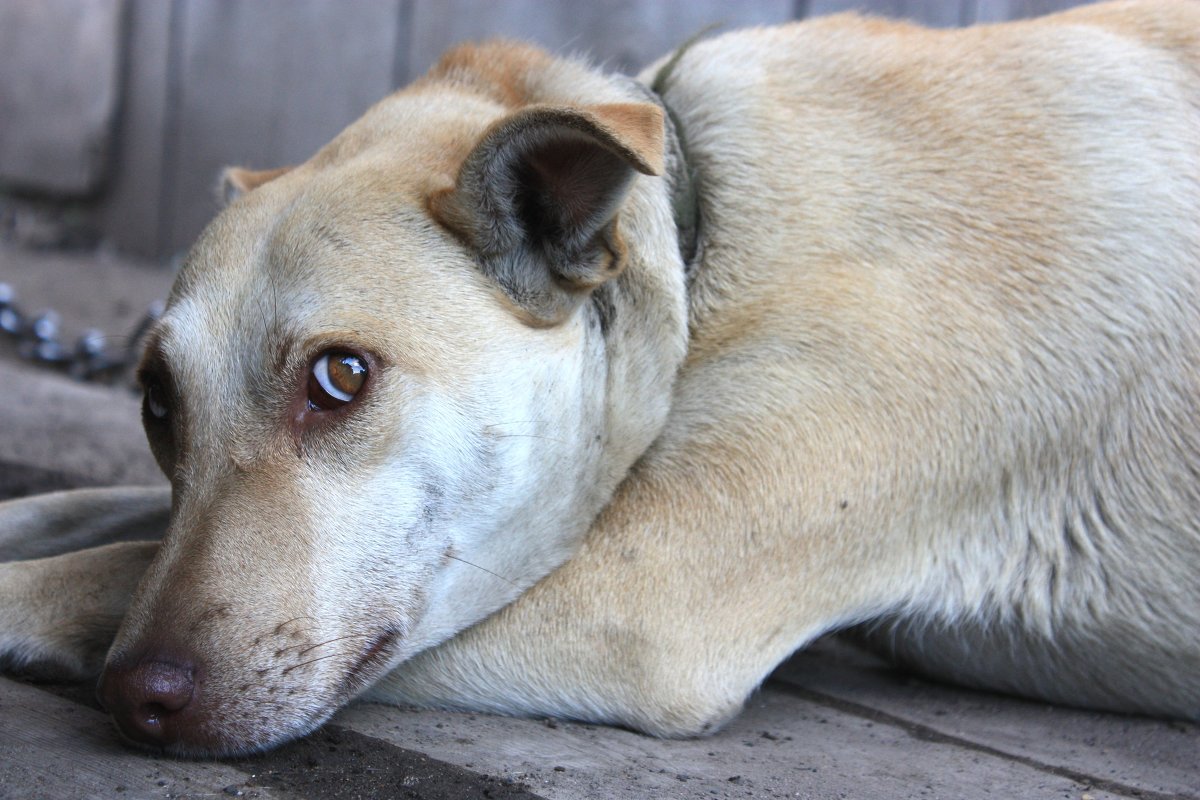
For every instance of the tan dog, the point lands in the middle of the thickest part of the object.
(935, 365)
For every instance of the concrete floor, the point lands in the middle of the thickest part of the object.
(831, 723)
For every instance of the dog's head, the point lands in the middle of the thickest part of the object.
(392, 388)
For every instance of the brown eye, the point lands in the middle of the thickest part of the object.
(335, 379)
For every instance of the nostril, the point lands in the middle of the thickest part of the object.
(144, 699)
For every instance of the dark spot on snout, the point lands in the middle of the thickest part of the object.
(433, 498)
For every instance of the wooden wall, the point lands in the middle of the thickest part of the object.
(261, 83)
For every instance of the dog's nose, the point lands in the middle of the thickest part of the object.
(148, 699)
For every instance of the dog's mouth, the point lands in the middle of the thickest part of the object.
(371, 664)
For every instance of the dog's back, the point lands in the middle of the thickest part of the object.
(952, 305)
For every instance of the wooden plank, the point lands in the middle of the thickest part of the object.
(266, 83)
(60, 59)
(936, 13)
(1148, 757)
(59, 750)
(624, 35)
(129, 212)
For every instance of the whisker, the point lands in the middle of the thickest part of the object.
(275, 630)
(526, 436)
(331, 641)
(310, 661)
(262, 313)
(485, 569)
(283, 625)
(276, 332)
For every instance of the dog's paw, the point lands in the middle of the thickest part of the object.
(43, 637)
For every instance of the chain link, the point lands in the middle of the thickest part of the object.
(38, 340)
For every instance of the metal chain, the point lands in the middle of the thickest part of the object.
(38, 341)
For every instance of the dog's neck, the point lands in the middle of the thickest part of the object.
(681, 173)
(683, 181)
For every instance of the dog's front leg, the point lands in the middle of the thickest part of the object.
(60, 522)
(59, 606)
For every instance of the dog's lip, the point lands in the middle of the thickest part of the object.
(377, 653)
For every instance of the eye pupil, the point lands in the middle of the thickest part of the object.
(155, 403)
(335, 380)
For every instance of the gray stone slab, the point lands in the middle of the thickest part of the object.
(56, 749)
(131, 213)
(936, 13)
(50, 423)
(61, 67)
(1147, 757)
(781, 746)
(622, 34)
(90, 433)
(1002, 10)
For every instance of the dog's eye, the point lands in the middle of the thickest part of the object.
(155, 400)
(336, 378)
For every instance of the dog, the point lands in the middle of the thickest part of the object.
(545, 391)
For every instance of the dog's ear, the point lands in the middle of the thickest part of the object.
(236, 181)
(538, 196)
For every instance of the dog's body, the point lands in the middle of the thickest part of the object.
(934, 367)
